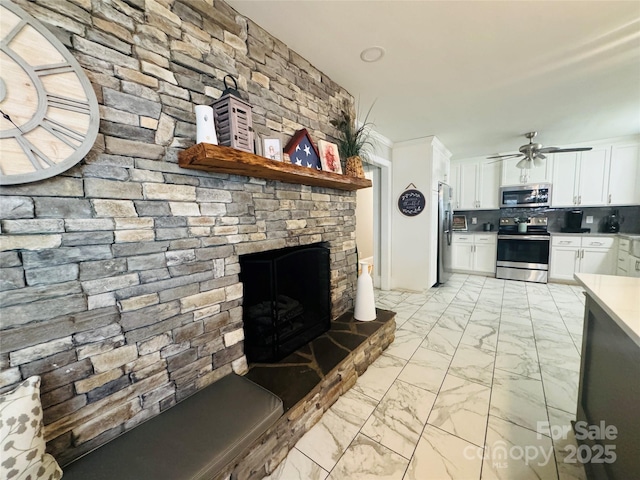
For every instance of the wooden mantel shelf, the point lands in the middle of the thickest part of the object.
(216, 158)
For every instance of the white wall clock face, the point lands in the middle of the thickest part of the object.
(49, 115)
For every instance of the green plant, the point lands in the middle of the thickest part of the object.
(355, 140)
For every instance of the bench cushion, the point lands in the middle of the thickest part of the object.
(195, 439)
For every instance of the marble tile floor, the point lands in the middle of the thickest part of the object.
(478, 372)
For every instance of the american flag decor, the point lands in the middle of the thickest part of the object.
(302, 151)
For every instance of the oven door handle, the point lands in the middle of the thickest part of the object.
(524, 237)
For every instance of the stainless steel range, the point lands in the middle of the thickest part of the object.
(523, 249)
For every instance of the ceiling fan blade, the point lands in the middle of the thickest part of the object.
(540, 156)
(563, 150)
(581, 149)
(502, 157)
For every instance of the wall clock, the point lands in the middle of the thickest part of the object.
(49, 115)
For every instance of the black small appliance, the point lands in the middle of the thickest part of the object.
(573, 222)
(612, 222)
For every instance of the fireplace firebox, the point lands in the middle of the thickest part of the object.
(287, 300)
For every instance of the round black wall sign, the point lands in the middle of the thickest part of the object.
(411, 202)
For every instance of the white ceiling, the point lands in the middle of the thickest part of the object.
(476, 74)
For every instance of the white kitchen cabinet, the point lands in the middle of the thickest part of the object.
(564, 263)
(441, 166)
(581, 254)
(623, 257)
(580, 178)
(624, 175)
(462, 252)
(468, 180)
(488, 185)
(454, 182)
(512, 175)
(485, 258)
(634, 266)
(474, 253)
(475, 184)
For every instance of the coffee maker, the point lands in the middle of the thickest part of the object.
(612, 222)
(573, 222)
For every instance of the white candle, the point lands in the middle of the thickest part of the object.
(205, 129)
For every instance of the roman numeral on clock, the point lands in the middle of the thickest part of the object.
(66, 134)
(66, 103)
(52, 69)
(33, 153)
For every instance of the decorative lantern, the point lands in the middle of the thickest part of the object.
(233, 119)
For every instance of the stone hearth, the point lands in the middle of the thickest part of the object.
(310, 380)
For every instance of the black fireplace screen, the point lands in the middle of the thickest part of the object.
(287, 300)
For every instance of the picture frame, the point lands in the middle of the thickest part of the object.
(257, 145)
(302, 151)
(272, 148)
(459, 223)
(329, 157)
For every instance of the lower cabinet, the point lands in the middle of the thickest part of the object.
(473, 252)
(633, 268)
(582, 254)
(623, 258)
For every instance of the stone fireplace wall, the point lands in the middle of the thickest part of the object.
(119, 278)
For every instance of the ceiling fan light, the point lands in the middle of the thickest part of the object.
(524, 163)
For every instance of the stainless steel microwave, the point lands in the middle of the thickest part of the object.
(525, 196)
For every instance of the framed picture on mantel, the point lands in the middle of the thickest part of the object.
(272, 149)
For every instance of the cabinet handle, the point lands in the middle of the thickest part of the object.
(609, 198)
(579, 199)
(565, 242)
(577, 253)
(582, 254)
(575, 200)
(597, 243)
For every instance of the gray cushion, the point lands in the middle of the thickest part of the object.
(195, 439)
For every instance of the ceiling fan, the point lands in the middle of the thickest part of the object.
(534, 153)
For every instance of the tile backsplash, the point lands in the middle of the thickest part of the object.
(629, 217)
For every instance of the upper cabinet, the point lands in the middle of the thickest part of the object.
(607, 175)
(475, 184)
(580, 178)
(624, 175)
(512, 175)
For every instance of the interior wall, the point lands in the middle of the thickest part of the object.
(119, 278)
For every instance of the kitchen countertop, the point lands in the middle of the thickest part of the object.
(630, 236)
(589, 234)
(619, 297)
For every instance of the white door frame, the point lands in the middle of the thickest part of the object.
(383, 236)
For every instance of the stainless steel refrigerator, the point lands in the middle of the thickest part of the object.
(445, 220)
